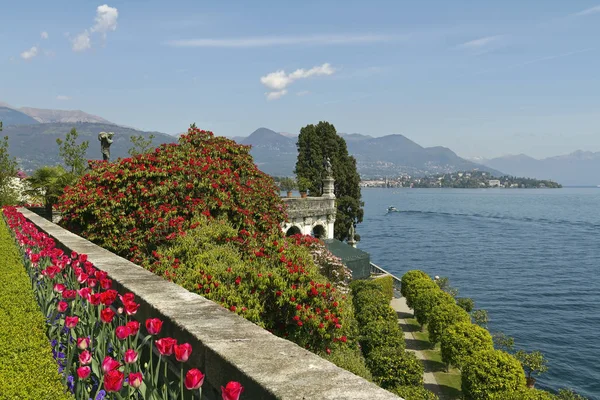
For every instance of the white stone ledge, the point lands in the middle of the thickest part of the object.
(225, 346)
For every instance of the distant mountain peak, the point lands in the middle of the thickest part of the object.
(45, 116)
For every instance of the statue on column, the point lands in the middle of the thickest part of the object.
(328, 166)
(105, 142)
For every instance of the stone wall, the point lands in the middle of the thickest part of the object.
(225, 346)
(306, 213)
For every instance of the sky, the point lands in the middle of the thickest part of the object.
(484, 78)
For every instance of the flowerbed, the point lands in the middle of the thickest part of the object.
(27, 370)
(96, 340)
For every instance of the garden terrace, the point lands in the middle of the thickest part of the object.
(226, 346)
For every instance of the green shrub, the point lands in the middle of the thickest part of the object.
(27, 369)
(425, 300)
(568, 394)
(465, 303)
(414, 393)
(387, 285)
(408, 279)
(351, 359)
(416, 287)
(393, 367)
(461, 340)
(376, 334)
(442, 316)
(522, 393)
(488, 372)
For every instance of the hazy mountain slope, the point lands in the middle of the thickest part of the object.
(9, 116)
(273, 153)
(35, 145)
(580, 168)
(67, 116)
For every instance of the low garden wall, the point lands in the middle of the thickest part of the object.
(226, 346)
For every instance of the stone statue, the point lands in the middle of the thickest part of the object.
(351, 233)
(105, 142)
(328, 166)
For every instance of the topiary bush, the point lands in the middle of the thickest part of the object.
(414, 393)
(441, 317)
(416, 287)
(393, 367)
(376, 334)
(461, 340)
(489, 372)
(387, 285)
(523, 393)
(27, 369)
(408, 278)
(425, 300)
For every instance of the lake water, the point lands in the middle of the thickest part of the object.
(531, 258)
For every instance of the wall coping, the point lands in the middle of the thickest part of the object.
(225, 346)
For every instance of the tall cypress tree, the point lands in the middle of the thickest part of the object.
(315, 144)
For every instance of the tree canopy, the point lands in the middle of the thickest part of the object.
(315, 144)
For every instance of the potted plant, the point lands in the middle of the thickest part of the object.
(303, 185)
(287, 184)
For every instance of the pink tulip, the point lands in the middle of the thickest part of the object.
(122, 332)
(83, 372)
(71, 322)
(182, 351)
(113, 381)
(59, 287)
(153, 326)
(134, 327)
(135, 379)
(165, 346)
(85, 357)
(62, 306)
(109, 364)
(194, 379)
(130, 356)
(232, 391)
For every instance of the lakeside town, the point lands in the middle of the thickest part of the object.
(461, 180)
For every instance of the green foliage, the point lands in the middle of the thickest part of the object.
(303, 185)
(442, 316)
(409, 278)
(414, 393)
(465, 303)
(533, 363)
(378, 334)
(73, 154)
(351, 359)
(315, 144)
(27, 369)
(461, 340)
(522, 393)
(140, 144)
(416, 287)
(490, 371)
(387, 286)
(426, 300)
(444, 284)
(8, 170)
(287, 184)
(481, 318)
(49, 183)
(392, 368)
(568, 394)
(503, 342)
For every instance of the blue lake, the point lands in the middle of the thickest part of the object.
(531, 258)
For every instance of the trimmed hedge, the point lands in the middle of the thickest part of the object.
(523, 394)
(463, 339)
(394, 367)
(387, 285)
(409, 278)
(426, 300)
(414, 393)
(491, 371)
(443, 316)
(27, 369)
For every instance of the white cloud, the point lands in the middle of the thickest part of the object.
(592, 10)
(29, 54)
(63, 98)
(268, 41)
(278, 81)
(44, 35)
(275, 95)
(105, 21)
(82, 41)
(479, 43)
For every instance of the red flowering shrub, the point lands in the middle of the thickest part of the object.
(134, 205)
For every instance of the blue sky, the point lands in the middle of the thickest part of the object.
(483, 78)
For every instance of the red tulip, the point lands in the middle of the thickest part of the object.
(127, 297)
(69, 294)
(105, 283)
(83, 343)
(131, 307)
(109, 364)
(122, 332)
(165, 346)
(85, 293)
(92, 282)
(135, 379)
(194, 379)
(94, 299)
(71, 322)
(107, 315)
(59, 287)
(113, 381)
(153, 326)
(130, 356)
(108, 297)
(62, 306)
(134, 327)
(182, 351)
(232, 391)
(82, 277)
(85, 357)
(84, 372)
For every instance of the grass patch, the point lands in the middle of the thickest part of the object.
(27, 369)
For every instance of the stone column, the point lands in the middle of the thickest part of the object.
(328, 187)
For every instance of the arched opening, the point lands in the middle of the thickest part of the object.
(318, 231)
(294, 230)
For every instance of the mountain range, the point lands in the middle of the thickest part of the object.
(390, 155)
(579, 168)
